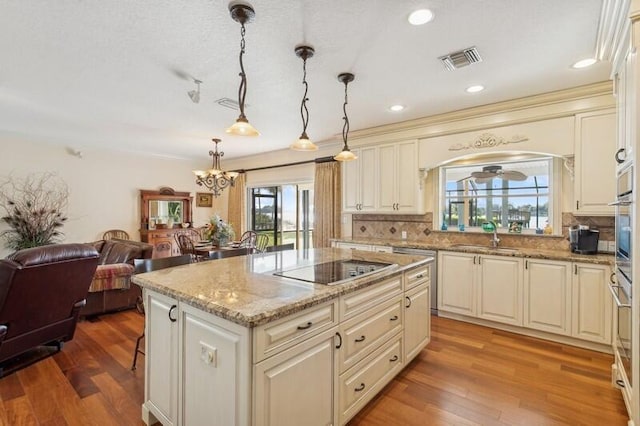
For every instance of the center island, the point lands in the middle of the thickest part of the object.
(233, 342)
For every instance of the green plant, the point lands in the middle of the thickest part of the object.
(34, 209)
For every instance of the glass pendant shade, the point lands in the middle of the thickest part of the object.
(345, 155)
(242, 127)
(303, 144)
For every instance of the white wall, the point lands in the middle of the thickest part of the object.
(104, 185)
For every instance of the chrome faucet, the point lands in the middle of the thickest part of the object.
(495, 240)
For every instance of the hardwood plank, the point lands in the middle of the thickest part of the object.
(467, 375)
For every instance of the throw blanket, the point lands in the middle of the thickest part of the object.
(111, 277)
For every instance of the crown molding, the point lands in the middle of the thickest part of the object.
(557, 104)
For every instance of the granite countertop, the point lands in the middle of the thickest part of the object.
(524, 252)
(243, 289)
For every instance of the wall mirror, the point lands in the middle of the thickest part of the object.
(165, 208)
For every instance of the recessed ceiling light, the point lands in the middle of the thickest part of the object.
(420, 17)
(584, 63)
(475, 89)
(396, 108)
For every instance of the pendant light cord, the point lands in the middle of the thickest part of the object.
(304, 111)
(242, 90)
(345, 128)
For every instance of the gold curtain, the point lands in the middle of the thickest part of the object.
(327, 203)
(237, 205)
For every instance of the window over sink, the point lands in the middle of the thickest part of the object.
(517, 195)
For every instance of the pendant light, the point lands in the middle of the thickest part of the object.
(303, 143)
(345, 154)
(242, 13)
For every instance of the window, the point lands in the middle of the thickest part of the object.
(515, 195)
(284, 213)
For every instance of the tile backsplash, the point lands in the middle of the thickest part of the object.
(420, 228)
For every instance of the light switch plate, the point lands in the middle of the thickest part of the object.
(603, 246)
(404, 235)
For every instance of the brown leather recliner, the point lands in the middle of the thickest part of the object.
(42, 290)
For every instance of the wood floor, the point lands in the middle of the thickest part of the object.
(468, 375)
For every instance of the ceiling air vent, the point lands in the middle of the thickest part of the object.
(229, 103)
(460, 59)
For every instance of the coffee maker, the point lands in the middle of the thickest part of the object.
(583, 240)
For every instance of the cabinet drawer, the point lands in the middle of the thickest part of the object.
(363, 333)
(417, 276)
(271, 338)
(360, 384)
(355, 303)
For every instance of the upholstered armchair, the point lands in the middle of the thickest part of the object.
(111, 288)
(42, 290)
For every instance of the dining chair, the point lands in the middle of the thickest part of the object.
(262, 241)
(186, 246)
(221, 254)
(116, 233)
(248, 239)
(149, 265)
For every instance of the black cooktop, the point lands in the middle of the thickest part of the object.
(331, 273)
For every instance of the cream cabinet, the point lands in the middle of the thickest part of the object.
(457, 282)
(207, 380)
(483, 286)
(417, 319)
(365, 247)
(358, 181)
(398, 178)
(298, 383)
(161, 362)
(591, 303)
(625, 93)
(547, 296)
(595, 164)
(384, 179)
(500, 289)
(565, 298)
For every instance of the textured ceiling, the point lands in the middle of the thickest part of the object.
(116, 73)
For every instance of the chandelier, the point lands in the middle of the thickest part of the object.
(215, 179)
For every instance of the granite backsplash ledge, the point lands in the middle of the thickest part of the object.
(419, 228)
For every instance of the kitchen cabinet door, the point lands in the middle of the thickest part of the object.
(298, 385)
(547, 296)
(359, 181)
(500, 289)
(417, 320)
(592, 303)
(398, 178)
(595, 165)
(214, 370)
(457, 282)
(161, 361)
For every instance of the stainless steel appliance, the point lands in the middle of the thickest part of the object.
(335, 272)
(434, 275)
(624, 231)
(583, 240)
(622, 291)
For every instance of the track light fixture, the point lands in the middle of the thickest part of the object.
(304, 143)
(345, 154)
(195, 94)
(242, 13)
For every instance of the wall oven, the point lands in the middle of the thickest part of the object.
(622, 291)
(624, 232)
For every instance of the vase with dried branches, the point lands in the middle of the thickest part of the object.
(34, 209)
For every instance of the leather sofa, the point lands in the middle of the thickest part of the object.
(111, 289)
(42, 290)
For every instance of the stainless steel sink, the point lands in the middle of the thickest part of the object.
(479, 247)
